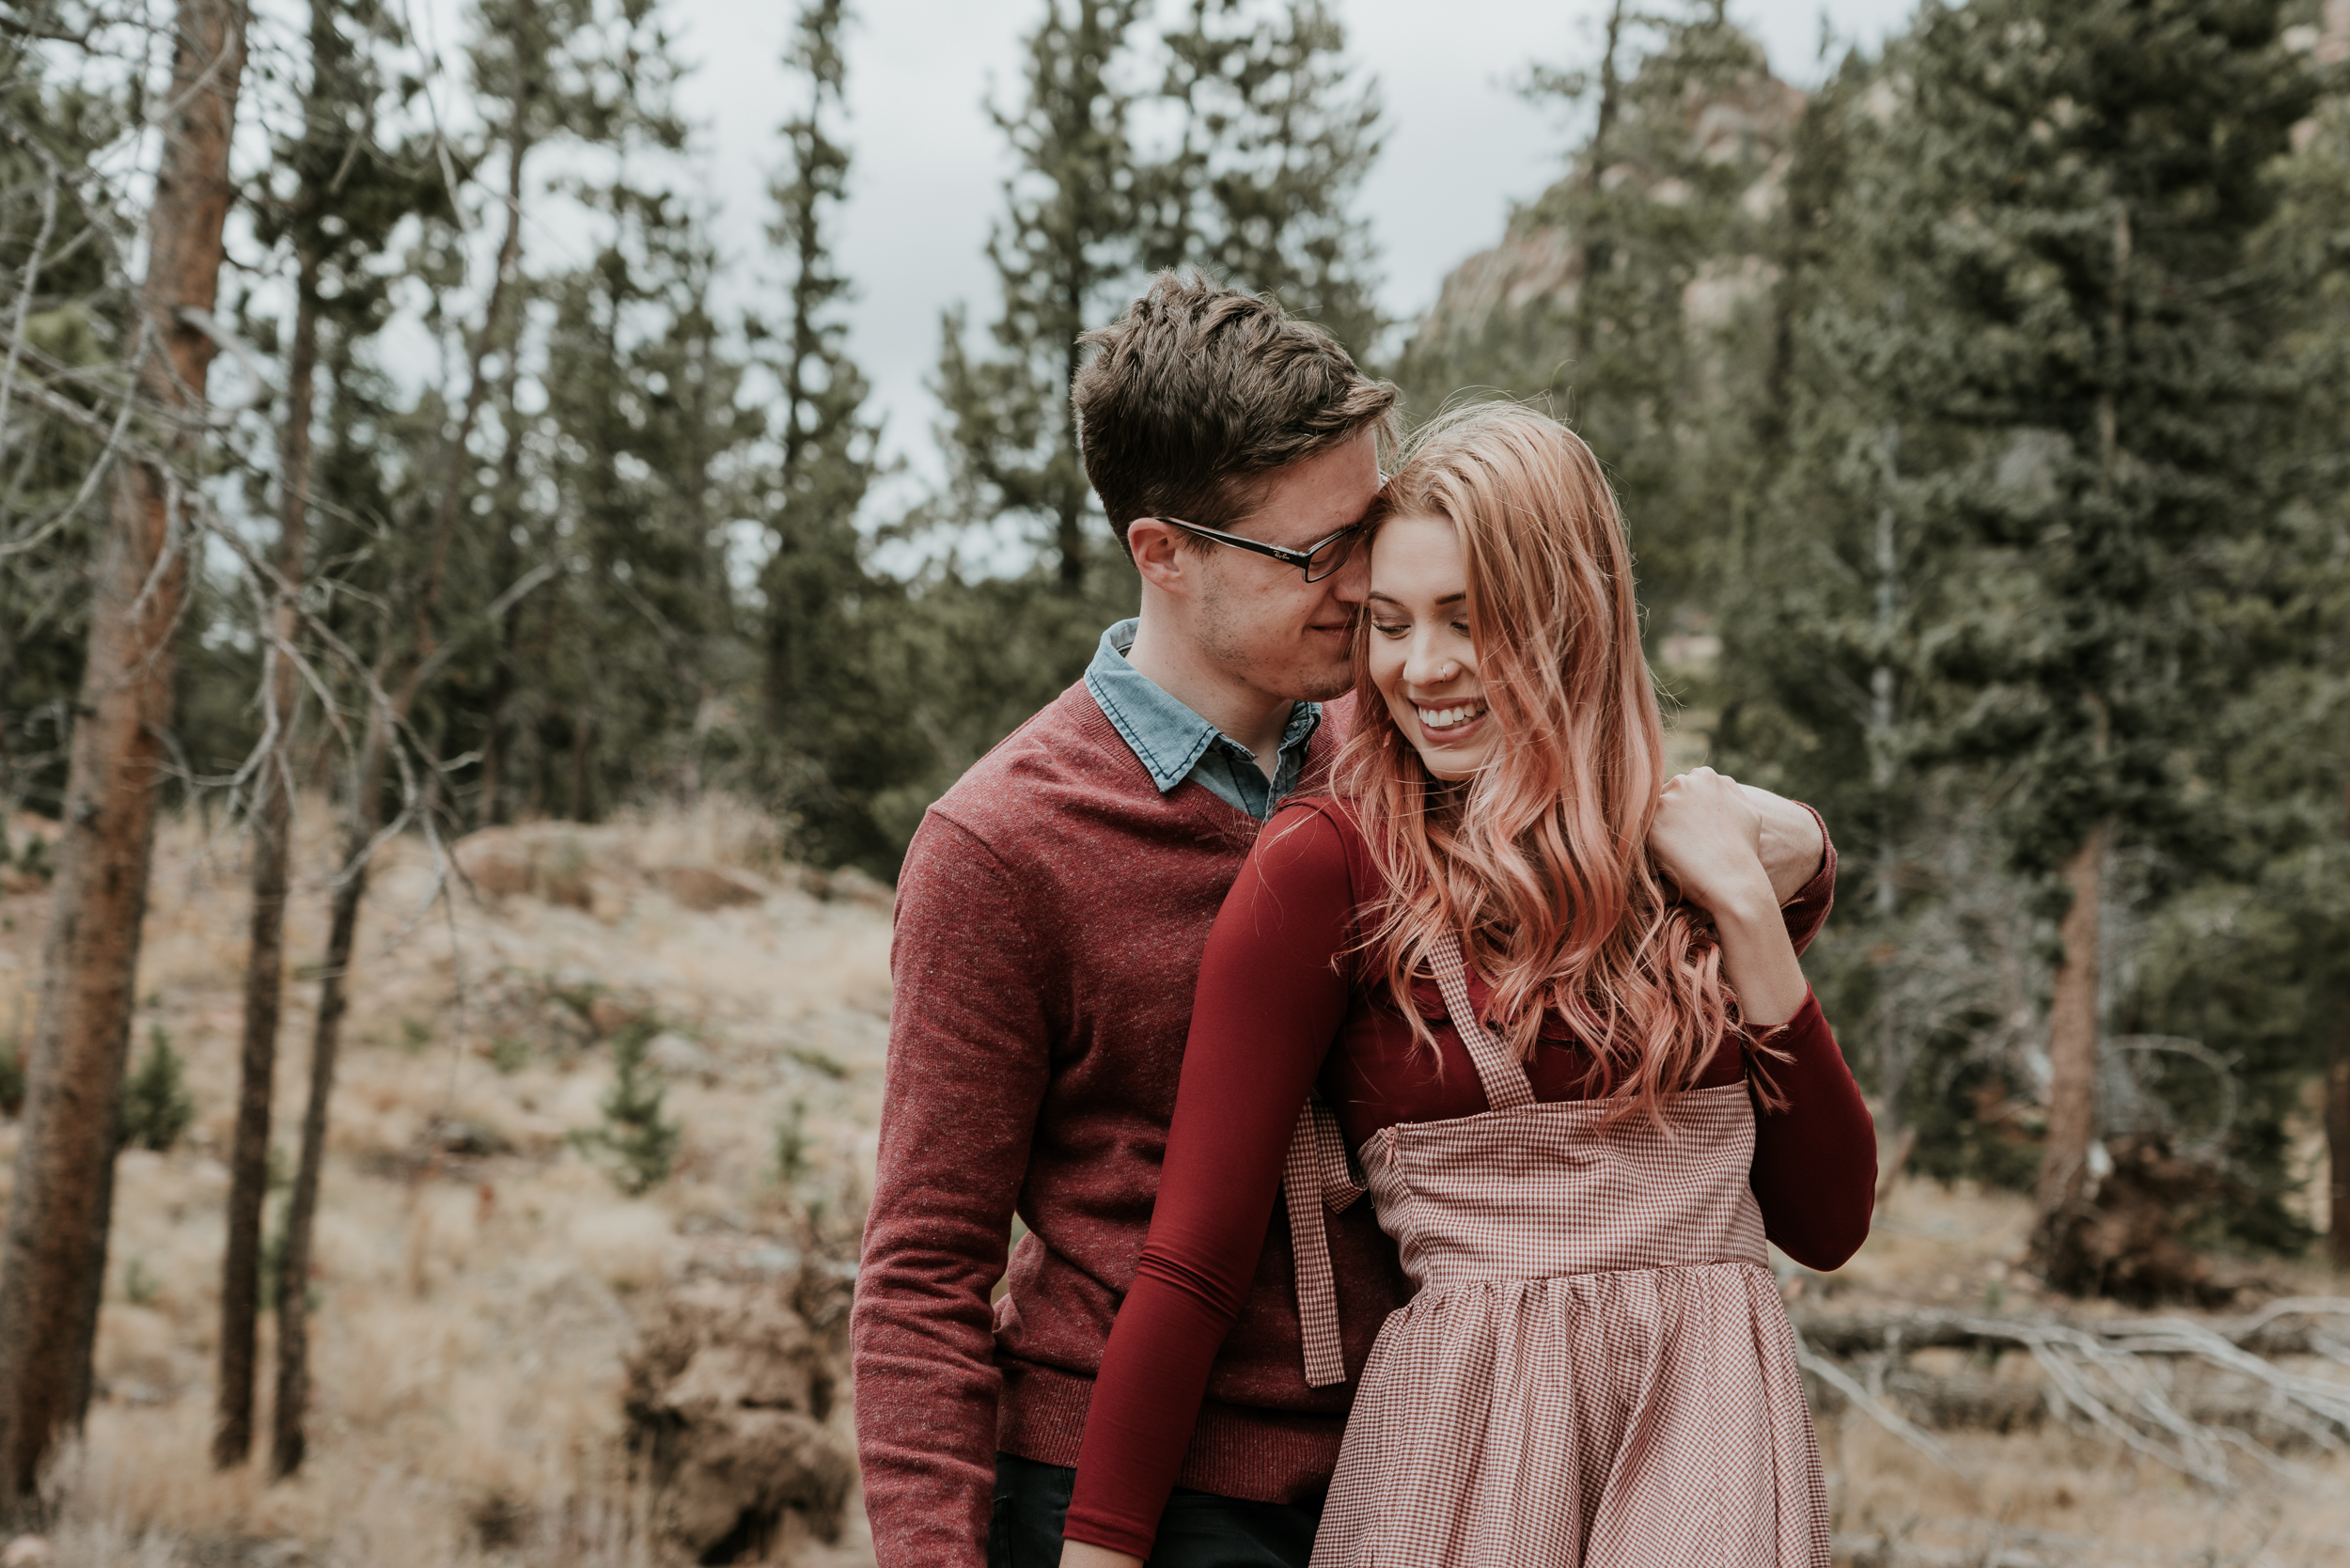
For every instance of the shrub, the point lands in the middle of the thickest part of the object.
(636, 1146)
(33, 859)
(156, 1107)
(792, 1144)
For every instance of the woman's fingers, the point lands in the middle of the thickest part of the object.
(1706, 836)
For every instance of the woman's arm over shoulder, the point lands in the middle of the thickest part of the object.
(1271, 997)
(1807, 910)
(1815, 1162)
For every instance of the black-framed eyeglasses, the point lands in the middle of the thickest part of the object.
(1317, 560)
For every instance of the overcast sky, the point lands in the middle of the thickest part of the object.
(1460, 145)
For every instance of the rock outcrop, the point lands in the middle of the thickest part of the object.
(729, 1391)
(1539, 263)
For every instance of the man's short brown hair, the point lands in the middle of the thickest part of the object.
(1198, 393)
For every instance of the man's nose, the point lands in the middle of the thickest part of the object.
(1350, 585)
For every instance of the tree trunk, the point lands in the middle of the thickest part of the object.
(2338, 1111)
(582, 741)
(402, 677)
(52, 1254)
(265, 963)
(286, 1437)
(490, 809)
(2337, 1131)
(2061, 1195)
(1069, 536)
(1883, 768)
(1610, 98)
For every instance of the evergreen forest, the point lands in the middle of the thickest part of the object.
(1981, 413)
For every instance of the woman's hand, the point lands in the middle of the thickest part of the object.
(1708, 837)
(1080, 1554)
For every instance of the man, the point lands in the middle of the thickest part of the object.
(1051, 916)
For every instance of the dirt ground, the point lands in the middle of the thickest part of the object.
(480, 1279)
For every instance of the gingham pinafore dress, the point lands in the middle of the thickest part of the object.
(1595, 1368)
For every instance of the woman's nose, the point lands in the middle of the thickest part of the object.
(1421, 666)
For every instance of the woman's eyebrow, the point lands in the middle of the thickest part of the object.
(1461, 597)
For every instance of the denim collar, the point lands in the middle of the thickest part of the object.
(1174, 743)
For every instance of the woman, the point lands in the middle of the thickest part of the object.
(1544, 998)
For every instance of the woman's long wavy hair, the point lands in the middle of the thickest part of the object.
(1539, 863)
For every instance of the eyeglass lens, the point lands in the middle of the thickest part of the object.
(1332, 556)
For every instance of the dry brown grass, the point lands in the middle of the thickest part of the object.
(2051, 1495)
(474, 1308)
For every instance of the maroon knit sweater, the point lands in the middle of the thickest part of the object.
(1051, 918)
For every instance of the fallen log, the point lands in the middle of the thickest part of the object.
(1966, 1402)
(2118, 1376)
(2297, 1326)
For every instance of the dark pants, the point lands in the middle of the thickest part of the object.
(1198, 1530)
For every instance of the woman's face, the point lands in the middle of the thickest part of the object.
(1423, 659)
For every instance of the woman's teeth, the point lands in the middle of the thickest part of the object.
(1448, 718)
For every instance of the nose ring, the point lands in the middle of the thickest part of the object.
(1446, 672)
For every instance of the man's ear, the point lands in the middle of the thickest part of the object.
(1160, 555)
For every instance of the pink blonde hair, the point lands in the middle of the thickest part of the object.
(1539, 864)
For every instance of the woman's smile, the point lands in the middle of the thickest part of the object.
(1449, 721)
(1423, 659)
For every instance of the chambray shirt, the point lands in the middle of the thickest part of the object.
(1174, 743)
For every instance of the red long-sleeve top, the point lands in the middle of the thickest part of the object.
(1281, 1004)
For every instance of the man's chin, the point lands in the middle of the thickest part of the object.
(1323, 686)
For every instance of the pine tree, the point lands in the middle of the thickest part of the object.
(823, 678)
(52, 1253)
(1276, 139)
(346, 197)
(636, 1145)
(642, 394)
(60, 262)
(522, 64)
(2251, 963)
(1829, 588)
(1067, 239)
(1645, 274)
(156, 1106)
(2078, 350)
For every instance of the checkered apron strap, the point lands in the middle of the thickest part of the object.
(1314, 1175)
(1507, 1086)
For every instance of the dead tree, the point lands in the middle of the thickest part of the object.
(2099, 1374)
(400, 672)
(52, 1254)
(272, 823)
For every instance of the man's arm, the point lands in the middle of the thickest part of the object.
(968, 1064)
(1794, 844)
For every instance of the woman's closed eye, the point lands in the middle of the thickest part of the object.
(1389, 628)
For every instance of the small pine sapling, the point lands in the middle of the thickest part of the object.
(792, 1145)
(156, 1106)
(636, 1146)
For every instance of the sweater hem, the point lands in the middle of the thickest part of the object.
(1237, 1450)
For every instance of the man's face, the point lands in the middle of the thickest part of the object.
(1261, 620)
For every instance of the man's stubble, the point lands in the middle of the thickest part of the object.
(1225, 627)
